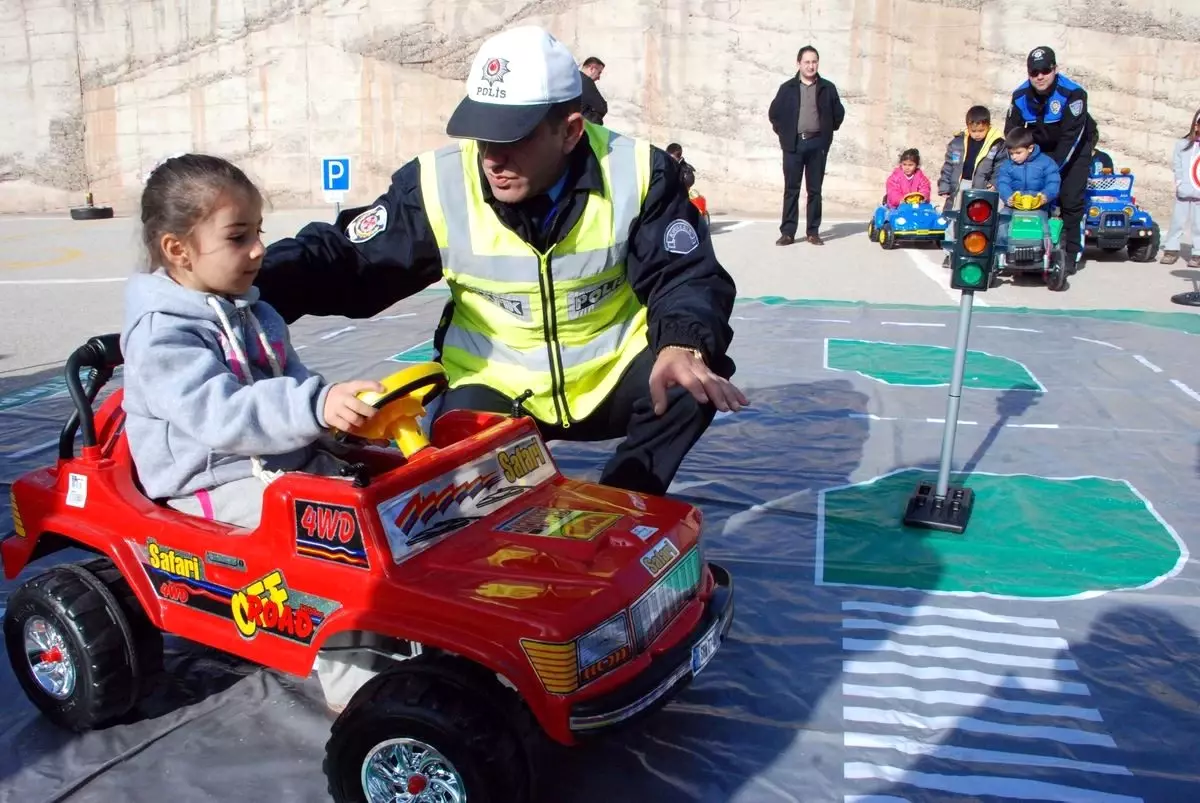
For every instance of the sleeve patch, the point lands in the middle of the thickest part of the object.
(680, 237)
(1076, 107)
(367, 224)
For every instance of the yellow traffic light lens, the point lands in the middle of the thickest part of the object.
(975, 243)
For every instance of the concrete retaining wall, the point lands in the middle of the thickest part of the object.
(97, 91)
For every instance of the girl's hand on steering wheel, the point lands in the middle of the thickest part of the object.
(343, 409)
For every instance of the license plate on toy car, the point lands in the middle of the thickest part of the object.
(706, 648)
(1115, 221)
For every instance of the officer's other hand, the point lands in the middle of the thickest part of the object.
(675, 367)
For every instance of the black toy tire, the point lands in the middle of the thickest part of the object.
(445, 704)
(91, 212)
(1056, 276)
(1145, 250)
(888, 241)
(871, 230)
(98, 639)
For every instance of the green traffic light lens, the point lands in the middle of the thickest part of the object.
(971, 274)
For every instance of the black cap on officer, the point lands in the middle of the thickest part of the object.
(1041, 58)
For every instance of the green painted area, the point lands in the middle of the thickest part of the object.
(422, 352)
(1028, 537)
(926, 366)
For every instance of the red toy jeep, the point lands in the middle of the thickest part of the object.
(507, 602)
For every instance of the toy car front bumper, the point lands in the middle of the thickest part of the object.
(669, 674)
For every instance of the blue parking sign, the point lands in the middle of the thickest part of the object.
(335, 174)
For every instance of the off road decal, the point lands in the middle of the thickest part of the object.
(581, 302)
(419, 518)
(660, 557)
(517, 306)
(329, 532)
(554, 522)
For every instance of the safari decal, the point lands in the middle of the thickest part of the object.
(416, 519)
(267, 605)
(329, 532)
(660, 557)
(552, 522)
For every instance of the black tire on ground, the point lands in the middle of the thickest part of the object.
(147, 638)
(1146, 249)
(91, 212)
(871, 229)
(97, 640)
(887, 237)
(1056, 276)
(459, 711)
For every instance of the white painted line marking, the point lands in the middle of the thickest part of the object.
(971, 701)
(830, 320)
(939, 275)
(1186, 389)
(1097, 342)
(111, 280)
(1147, 363)
(873, 417)
(873, 799)
(987, 637)
(971, 785)
(31, 450)
(909, 323)
(300, 348)
(957, 653)
(393, 317)
(969, 614)
(965, 676)
(342, 331)
(976, 755)
(1009, 328)
(741, 224)
(943, 421)
(1033, 426)
(904, 719)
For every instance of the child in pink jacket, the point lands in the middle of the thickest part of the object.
(907, 178)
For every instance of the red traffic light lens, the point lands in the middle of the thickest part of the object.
(979, 211)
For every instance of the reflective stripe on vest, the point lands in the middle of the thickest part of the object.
(571, 351)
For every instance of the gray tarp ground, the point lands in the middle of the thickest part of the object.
(823, 692)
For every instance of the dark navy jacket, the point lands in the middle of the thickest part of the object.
(1061, 124)
(1038, 173)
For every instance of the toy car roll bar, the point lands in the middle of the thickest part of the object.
(102, 354)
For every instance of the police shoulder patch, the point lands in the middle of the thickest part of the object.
(367, 224)
(1076, 107)
(680, 237)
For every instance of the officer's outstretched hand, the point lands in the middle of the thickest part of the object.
(678, 367)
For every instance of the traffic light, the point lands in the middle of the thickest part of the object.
(972, 258)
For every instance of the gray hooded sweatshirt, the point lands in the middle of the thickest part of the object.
(197, 416)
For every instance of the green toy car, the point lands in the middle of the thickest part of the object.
(1031, 241)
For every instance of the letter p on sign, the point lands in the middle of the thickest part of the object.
(335, 174)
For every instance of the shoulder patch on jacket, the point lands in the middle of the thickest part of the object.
(367, 224)
(680, 237)
(1076, 107)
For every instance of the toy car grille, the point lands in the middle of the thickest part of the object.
(1118, 183)
(1026, 254)
(665, 599)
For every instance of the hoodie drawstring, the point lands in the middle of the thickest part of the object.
(239, 351)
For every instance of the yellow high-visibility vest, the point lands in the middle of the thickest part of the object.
(564, 324)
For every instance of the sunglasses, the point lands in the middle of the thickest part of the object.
(1039, 73)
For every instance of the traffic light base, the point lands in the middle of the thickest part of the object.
(948, 514)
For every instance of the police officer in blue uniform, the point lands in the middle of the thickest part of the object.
(1055, 109)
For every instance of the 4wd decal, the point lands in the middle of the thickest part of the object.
(554, 522)
(329, 532)
(417, 519)
(581, 302)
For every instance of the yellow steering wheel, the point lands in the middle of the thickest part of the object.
(1026, 201)
(402, 404)
(915, 198)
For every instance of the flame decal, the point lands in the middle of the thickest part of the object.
(422, 507)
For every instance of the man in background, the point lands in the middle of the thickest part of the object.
(594, 105)
(804, 114)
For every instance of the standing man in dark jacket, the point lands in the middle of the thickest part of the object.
(804, 114)
(577, 267)
(594, 104)
(1055, 109)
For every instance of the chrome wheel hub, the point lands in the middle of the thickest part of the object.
(49, 661)
(410, 771)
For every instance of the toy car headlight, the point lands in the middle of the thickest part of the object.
(941, 221)
(563, 668)
(1129, 211)
(900, 221)
(1094, 211)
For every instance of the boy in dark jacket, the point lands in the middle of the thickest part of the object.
(971, 156)
(1027, 170)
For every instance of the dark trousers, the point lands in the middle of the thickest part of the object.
(653, 447)
(808, 162)
(1071, 200)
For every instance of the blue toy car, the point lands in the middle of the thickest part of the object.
(1114, 220)
(913, 220)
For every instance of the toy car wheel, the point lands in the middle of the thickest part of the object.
(1056, 274)
(427, 728)
(887, 237)
(91, 212)
(1145, 249)
(871, 230)
(72, 648)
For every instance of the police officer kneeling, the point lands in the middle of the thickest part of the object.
(1055, 108)
(574, 259)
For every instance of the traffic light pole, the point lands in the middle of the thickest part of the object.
(952, 402)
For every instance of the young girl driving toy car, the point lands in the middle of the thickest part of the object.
(217, 402)
(907, 179)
